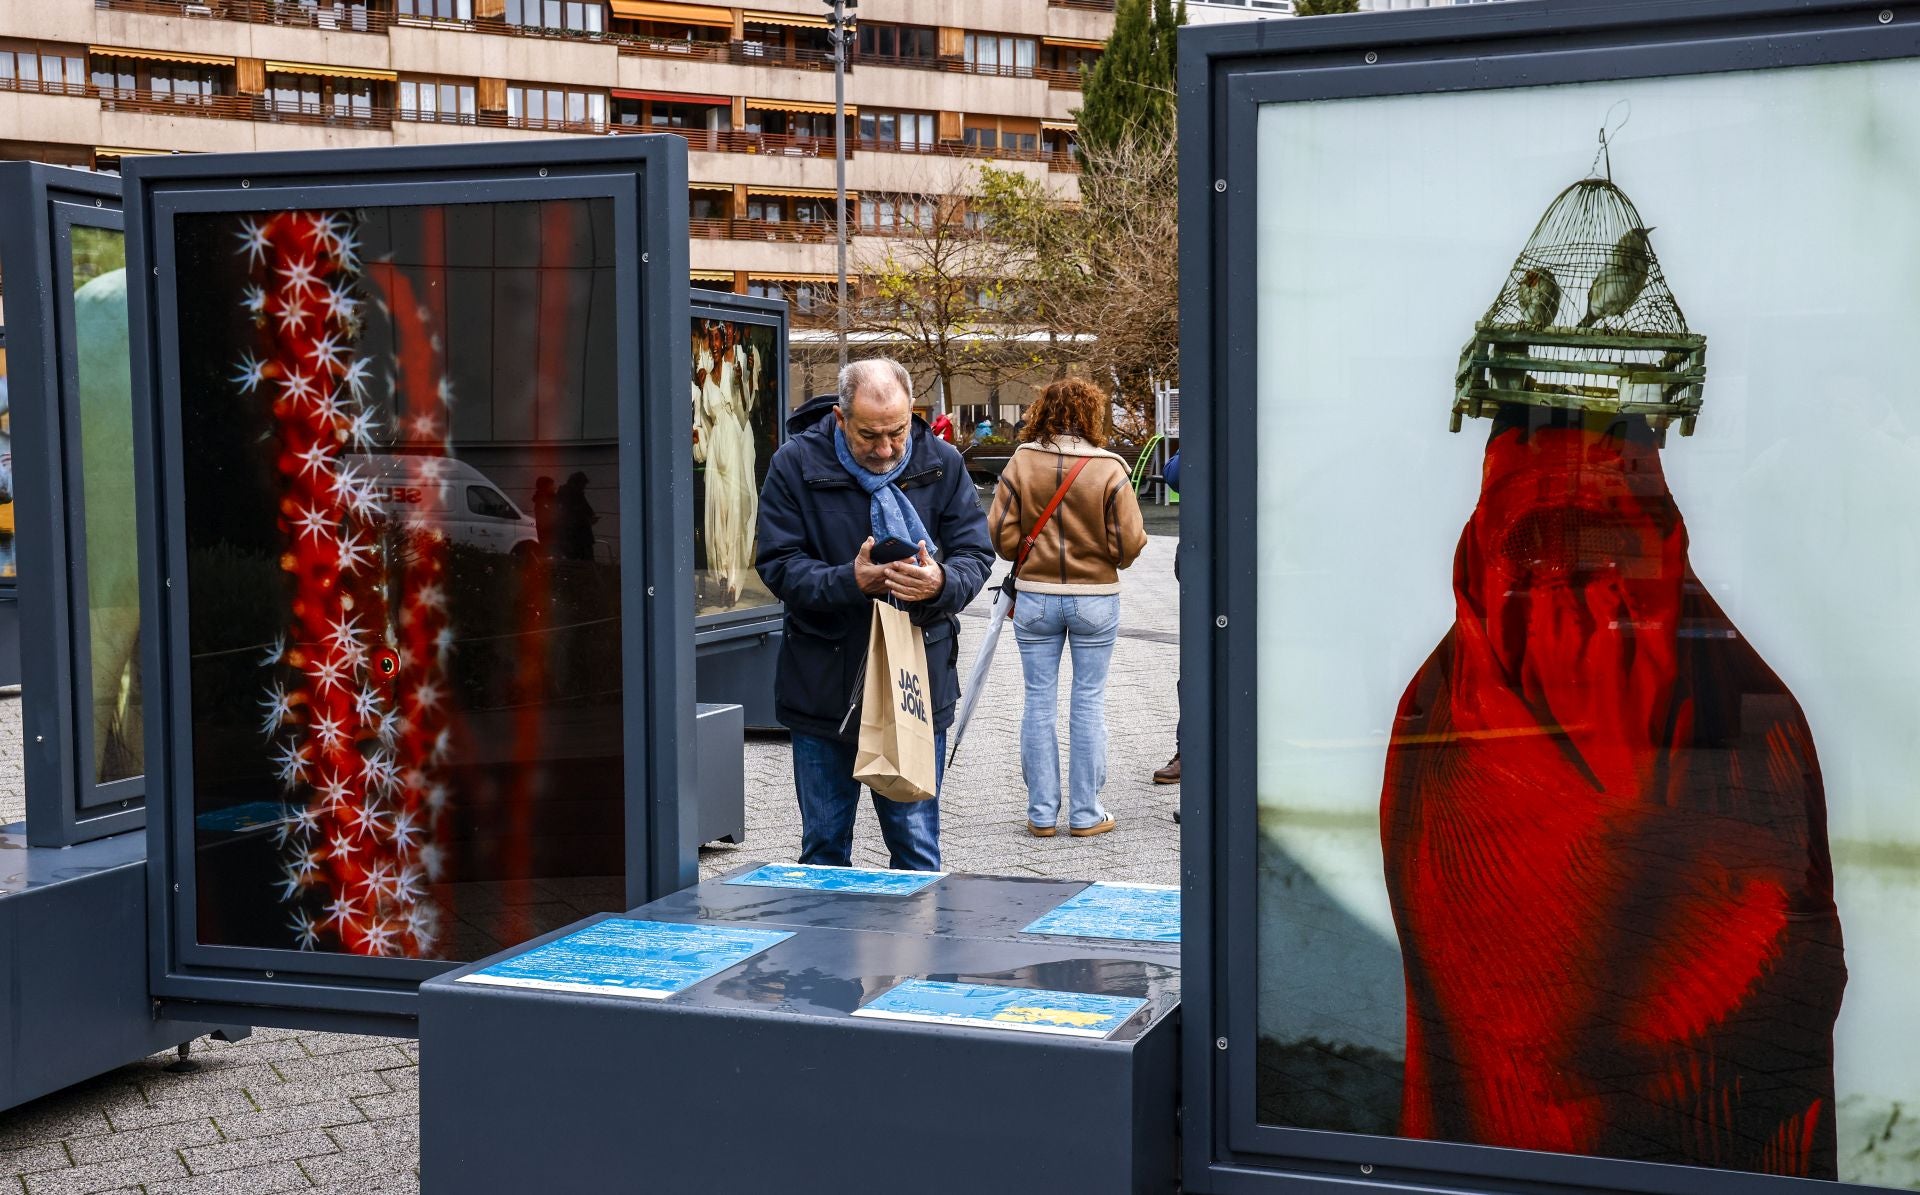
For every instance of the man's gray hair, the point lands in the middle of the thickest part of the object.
(856, 374)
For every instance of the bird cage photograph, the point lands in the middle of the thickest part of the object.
(1582, 749)
(1586, 321)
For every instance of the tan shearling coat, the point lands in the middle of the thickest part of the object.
(1094, 534)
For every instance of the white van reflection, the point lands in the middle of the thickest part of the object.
(449, 496)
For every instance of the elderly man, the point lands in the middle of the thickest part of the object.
(860, 468)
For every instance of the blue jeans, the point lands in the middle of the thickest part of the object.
(1042, 624)
(829, 798)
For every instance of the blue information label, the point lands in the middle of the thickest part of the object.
(1019, 1010)
(1129, 912)
(650, 960)
(864, 880)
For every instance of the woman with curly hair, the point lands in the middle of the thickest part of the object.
(1068, 579)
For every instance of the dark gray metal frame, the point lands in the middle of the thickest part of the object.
(1226, 74)
(43, 204)
(744, 309)
(646, 177)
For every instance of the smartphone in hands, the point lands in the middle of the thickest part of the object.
(892, 549)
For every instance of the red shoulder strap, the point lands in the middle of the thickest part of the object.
(1026, 545)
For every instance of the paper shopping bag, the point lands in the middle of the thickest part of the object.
(895, 756)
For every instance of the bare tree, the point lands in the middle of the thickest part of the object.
(939, 292)
(1102, 276)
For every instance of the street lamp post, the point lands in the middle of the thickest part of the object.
(840, 32)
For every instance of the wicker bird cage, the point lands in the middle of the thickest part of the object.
(1586, 322)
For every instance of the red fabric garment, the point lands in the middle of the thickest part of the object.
(1605, 840)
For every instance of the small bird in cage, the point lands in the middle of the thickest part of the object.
(1539, 297)
(1621, 280)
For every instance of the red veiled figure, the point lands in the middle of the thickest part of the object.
(1605, 837)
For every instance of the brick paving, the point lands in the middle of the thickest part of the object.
(298, 1111)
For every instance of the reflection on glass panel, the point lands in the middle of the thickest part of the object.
(8, 568)
(1586, 826)
(106, 476)
(405, 637)
(736, 428)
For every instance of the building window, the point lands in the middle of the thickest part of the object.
(887, 213)
(436, 10)
(902, 130)
(446, 101)
(555, 107)
(997, 54)
(1068, 62)
(906, 43)
(582, 16)
(801, 126)
(991, 133)
(805, 297)
(775, 41)
(180, 82)
(28, 67)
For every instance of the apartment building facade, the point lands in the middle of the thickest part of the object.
(936, 86)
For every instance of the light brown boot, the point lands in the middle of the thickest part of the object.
(1169, 774)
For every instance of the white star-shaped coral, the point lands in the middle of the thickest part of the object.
(356, 376)
(249, 373)
(278, 706)
(253, 241)
(305, 933)
(299, 279)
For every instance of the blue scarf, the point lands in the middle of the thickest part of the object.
(891, 513)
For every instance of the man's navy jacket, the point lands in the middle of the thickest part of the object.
(813, 519)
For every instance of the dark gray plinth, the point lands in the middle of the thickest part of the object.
(964, 906)
(73, 964)
(759, 1078)
(720, 774)
(736, 666)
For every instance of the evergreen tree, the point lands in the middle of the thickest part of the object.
(1321, 8)
(1129, 92)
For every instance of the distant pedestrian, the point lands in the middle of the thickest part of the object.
(574, 518)
(984, 429)
(943, 427)
(1068, 592)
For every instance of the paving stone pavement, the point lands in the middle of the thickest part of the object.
(286, 1110)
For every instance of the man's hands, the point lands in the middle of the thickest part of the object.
(870, 577)
(916, 580)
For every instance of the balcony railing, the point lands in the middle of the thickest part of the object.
(740, 141)
(803, 232)
(240, 107)
(351, 18)
(44, 87)
(1056, 77)
(333, 17)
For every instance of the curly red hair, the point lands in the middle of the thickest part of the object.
(1068, 407)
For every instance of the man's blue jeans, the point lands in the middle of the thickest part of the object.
(829, 798)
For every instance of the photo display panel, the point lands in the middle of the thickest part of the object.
(404, 577)
(1585, 731)
(104, 388)
(736, 430)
